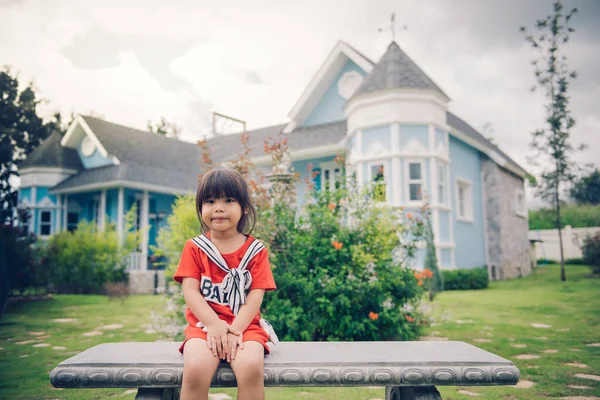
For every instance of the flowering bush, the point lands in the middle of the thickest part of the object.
(339, 268)
(339, 260)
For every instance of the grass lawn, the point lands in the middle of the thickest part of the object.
(498, 319)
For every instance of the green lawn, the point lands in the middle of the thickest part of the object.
(495, 319)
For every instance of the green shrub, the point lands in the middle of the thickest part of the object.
(339, 262)
(182, 225)
(466, 279)
(19, 263)
(591, 252)
(340, 270)
(576, 215)
(84, 260)
(575, 261)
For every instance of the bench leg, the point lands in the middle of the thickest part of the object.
(412, 393)
(157, 394)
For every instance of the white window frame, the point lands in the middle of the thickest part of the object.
(442, 182)
(385, 182)
(408, 181)
(330, 166)
(520, 209)
(49, 223)
(468, 205)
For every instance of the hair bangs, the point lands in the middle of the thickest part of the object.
(220, 184)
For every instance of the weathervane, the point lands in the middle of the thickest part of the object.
(392, 27)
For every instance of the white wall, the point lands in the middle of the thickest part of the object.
(572, 241)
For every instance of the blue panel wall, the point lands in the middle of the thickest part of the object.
(446, 257)
(301, 166)
(112, 205)
(331, 106)
(376, 138)
(468, 236)
(417, 132)
(159, 203)
(444, 234)
(95, 160)
(25, 193)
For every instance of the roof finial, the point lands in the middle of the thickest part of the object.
(392, 27)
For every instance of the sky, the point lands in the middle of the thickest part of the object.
(134, 61)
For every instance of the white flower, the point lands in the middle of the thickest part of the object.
(408, 308)
(388, 303)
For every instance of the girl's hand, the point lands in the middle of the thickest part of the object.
(233, 341)
(216, 338)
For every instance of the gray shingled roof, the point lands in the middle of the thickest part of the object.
(145, 157)
(301, 138)
(155, 160)
(51, 154)
(396, 70)
(468, 130)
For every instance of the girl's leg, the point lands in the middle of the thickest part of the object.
(199, 366)
(248, 368)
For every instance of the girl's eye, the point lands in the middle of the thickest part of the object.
(230, 200)
(209, 201)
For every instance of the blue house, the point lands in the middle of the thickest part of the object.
(389, 117)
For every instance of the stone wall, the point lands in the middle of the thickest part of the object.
(507, 233)
(142, 282)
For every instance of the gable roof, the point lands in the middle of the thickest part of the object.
(320, 82)
(51, 154)
(494, 151)
(396, 70)
(143, 157)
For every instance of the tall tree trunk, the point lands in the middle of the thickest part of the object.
(563, 276)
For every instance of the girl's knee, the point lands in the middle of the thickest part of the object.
(249, 369)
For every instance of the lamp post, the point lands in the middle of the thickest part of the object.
(157, 216)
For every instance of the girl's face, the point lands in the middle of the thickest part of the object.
(221, 215)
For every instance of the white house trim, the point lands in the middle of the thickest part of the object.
(102, 211)
(145, 207)
(128, 184)
(406, 181)
(37, 176)
(321, 81)
(33, 170)
(305, 154)
(71, 139)
(520, 210)
(403, 154)
(469, 206)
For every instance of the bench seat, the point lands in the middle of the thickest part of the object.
(408, 370)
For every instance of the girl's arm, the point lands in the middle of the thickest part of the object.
(217, 329)
(249, 310)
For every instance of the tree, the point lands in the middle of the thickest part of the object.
(586, 190)
(435, 283)
(552, 143)
(165, 128)
(21, 131)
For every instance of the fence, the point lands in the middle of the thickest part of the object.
(549, 246)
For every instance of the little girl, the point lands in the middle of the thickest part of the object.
(224, 274)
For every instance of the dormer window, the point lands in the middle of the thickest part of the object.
(87, 147)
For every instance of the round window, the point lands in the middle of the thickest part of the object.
(87, 147)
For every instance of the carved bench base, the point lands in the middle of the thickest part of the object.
(391, 393)
(412, 393)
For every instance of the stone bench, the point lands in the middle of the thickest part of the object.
(408, 370)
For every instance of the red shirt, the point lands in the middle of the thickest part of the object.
(194, 263)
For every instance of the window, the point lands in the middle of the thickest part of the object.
(330, 177)
(464, 200)
(72, 221)
(45, 223)
(378, 178)
(441, 184)
(415, 181)
(520, 205)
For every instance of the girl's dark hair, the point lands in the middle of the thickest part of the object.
(226, 182)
